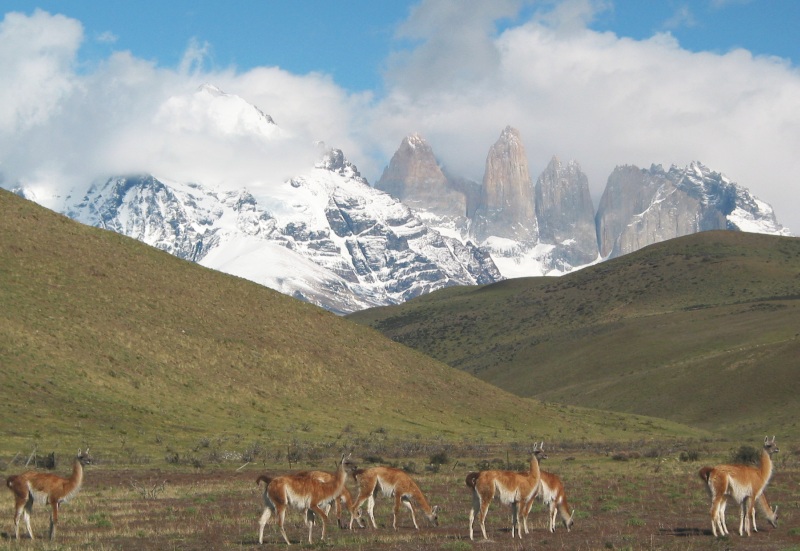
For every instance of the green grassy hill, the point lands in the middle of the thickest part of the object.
(702, 330)
(107, 342)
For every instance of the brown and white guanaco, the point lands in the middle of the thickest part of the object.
(511, 488)
(45, 488)
(392, 482)
(744, 483)
(307, 493)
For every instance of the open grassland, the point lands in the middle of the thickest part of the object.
(187, 383)
(703, 330)
(626, 496)
(109, 343)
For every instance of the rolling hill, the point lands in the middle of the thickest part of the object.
(703, 330)
(105, 341)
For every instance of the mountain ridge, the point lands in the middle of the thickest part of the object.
(325, 235)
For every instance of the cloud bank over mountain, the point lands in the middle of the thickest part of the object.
(598, 98)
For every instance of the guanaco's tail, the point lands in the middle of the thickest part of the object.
(10, 481)
(265, 478)
(472, 478)
(705, 473)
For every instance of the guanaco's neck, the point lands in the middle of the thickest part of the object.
(77, 473)
(341, 478)
(766, 466)
(534, 472)
(75, 481)
(420, 497)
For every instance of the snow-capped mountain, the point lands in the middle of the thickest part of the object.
(641, 207)
(550, 227)
(326, 236)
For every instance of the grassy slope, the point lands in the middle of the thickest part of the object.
(702, 330)
(109, 342)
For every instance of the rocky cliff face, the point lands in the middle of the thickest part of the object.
(414, 177)
(506, 209)
(552, 228)
(565, 213)
(527, 229)
(641, 207)
(628, 192)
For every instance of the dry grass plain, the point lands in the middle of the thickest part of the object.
(623, 501)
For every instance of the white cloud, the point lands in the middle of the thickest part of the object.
(60, 129)
(36, 54)
(598, 98)
(606, 100)
(682, 17)
(106, 37)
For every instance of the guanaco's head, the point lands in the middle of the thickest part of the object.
(434, 516)
(348, 465)
(358, 516)
(570, 522)
(538, 451)
(84, 458)
(773, 520)
(770, 446)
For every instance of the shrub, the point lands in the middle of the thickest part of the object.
(689, 455)
(439, 458)
(746, 455)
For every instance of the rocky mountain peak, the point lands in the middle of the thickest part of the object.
(641, 207)
(565, 213)
(414, 140)
(209, 110)
(335, 161)
(507, 203)
(415, 177)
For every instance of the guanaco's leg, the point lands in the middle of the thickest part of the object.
(407, 503)
(371, 510)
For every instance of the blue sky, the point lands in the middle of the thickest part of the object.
(90, 86)
(351, 39)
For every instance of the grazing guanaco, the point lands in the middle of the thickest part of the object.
(306, 493)
(552, 494)
(345, 499)
(47, 489)
(511, 488)
(743, 483)
(390, 481)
